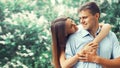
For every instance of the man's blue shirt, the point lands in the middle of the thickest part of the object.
(108, 48)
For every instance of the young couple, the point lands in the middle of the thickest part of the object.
(90, 46)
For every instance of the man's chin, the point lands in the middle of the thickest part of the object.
(85, 28)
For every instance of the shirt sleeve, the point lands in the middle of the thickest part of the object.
(69, 51)
(116, 46)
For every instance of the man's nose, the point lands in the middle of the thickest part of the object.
(82, 21)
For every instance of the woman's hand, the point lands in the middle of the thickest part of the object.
(89, 57)
(89, 53)
(89, 47)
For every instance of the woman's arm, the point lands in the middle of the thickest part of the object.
(105, 28)
(67, 63)
(103, 33)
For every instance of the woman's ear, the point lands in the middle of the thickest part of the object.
(75, 26)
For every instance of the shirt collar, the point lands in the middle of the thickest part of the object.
(86, 33)
(99, 29)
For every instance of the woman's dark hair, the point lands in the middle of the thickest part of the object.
(58, 39)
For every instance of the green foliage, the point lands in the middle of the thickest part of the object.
(112, 15)
(25, 39)
(1, 12)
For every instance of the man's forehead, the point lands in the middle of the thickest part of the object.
(84, 13)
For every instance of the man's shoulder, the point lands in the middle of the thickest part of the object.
(77, 33)
(111, 33)
(112, 36)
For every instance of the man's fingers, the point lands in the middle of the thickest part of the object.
(81, 55)
(95, 48)
(82, 58)
(93, 52)
(89, 44)
(95, 44)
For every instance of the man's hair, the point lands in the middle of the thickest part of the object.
(92, 6)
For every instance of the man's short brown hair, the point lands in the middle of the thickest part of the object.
(92, 6)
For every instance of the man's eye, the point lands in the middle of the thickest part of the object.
(84, 17)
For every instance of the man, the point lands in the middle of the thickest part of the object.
(108, 50)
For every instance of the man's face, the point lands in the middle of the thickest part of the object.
(87, 20)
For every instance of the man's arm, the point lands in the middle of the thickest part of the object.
(108, 63)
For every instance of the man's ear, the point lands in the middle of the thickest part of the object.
(97, 15)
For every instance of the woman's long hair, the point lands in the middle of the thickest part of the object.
(58, 39)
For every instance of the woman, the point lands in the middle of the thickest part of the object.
(61, 29)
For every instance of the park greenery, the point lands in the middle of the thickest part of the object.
(25, 37)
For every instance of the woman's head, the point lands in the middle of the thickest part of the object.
(71, 27)
(61, 28)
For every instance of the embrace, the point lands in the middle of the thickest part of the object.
(91, 45)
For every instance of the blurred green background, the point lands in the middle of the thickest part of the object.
(25, 38)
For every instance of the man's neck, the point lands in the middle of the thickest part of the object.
(94, 30)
